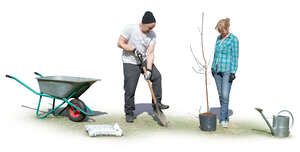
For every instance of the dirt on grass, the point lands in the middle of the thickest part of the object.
(144, 124)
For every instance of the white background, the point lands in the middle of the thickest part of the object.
(79, 38)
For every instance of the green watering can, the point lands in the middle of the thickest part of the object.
(281, 124)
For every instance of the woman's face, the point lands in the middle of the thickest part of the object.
(222, 31)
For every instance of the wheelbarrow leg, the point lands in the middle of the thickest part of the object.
(53, 105)
(59, 113)
(38, 110)
(51, 111)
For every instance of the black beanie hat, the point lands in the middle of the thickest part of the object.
(148, 18)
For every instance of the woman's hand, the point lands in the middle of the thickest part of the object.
(231, 77)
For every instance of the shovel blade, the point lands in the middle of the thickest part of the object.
(161, 118)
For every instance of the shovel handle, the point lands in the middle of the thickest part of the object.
(140, 56)
(152, 92)
(150, 86)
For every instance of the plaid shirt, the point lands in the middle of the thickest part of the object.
(226, 54)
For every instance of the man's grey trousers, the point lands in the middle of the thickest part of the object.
(131, 77)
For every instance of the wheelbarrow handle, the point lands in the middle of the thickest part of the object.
(36, 73)
(23, 84)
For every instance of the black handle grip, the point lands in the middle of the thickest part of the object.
(8, 76)
(38, 74)
(140, 56)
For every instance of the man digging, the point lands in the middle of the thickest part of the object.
(139, 39)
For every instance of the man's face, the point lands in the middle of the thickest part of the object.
(146, 28)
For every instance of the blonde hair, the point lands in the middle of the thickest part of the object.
(223, 24)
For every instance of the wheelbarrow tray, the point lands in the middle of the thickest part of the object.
(64, 86)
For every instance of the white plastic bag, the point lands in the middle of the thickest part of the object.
(104, 130)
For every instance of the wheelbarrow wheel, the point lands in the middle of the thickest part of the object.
(74, 114)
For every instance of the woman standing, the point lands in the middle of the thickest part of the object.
(224, 66)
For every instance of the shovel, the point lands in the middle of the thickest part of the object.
(162, 120)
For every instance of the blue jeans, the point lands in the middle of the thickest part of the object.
(223, 86)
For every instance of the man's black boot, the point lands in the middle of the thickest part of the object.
(162, 106)
(129, 118)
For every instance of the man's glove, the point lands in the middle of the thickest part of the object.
(231, 77)
(137, 52)
(148, 74)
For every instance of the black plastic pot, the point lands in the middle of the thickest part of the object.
(208, 121)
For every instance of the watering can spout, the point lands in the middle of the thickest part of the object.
(269, 125)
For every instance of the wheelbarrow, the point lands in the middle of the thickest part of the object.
(65, 88)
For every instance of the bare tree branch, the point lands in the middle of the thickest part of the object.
(198, 62)
(198, 71)
(209, 60)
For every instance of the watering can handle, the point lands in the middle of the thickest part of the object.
(290, 115)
